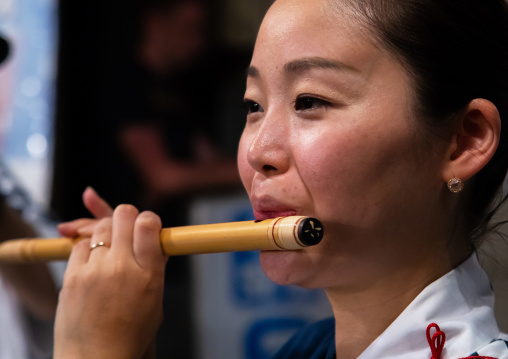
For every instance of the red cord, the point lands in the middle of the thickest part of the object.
(437, 341)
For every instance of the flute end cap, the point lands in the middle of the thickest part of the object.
(310, 231)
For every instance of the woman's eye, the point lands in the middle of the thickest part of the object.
(251, 106)
(307, 103)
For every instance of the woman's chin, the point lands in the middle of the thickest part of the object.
(285, 267)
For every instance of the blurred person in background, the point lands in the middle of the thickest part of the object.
(28, 295)
(157, 150)
(162, 136)
(162, 125)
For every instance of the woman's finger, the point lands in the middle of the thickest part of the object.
(79, 255)
(98, 207)
(123, 226)
(72, 228)
(101, 238)
(87, 230)
(147, 248)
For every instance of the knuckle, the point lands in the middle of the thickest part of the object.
(74, 281)
(126, 210)
(103, 226)
(148, 221)
(119, 269)
(153, 283)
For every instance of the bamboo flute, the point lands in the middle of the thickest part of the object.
(282, 233)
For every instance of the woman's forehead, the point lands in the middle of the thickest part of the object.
(313, 20)
(296, 11)
(305, 29)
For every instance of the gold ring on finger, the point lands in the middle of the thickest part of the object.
(98, 244)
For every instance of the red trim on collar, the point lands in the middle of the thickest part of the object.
(437, 341)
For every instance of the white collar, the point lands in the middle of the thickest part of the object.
(461, 303)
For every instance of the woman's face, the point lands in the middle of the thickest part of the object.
(329, 135)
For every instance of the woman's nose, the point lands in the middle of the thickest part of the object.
(269, 151)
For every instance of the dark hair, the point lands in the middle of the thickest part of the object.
(455, 51)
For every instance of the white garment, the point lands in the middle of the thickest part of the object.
(461, 303)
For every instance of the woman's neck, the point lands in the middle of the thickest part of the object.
(362, 314)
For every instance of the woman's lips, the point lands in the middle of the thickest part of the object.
(267, 214)
(266, 207)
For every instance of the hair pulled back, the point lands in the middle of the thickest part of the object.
(455, 51)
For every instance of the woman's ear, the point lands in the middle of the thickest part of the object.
(474, 141)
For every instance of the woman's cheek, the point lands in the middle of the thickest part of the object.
(319, 164)
(245, 170)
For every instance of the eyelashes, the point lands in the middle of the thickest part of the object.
(301, 104)
(306, 103)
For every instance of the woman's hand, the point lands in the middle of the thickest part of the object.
(84, 227)
(110, 305)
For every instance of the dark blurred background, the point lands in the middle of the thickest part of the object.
(108, 87)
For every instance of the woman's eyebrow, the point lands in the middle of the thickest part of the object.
(252, 72)
(305, 64)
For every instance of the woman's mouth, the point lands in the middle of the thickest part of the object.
(273, 213)
(268, 207)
